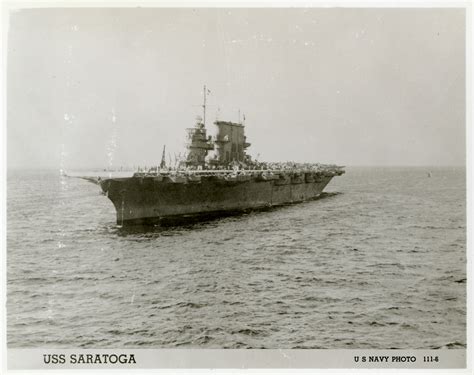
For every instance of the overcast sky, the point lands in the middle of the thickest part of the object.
(101, 87)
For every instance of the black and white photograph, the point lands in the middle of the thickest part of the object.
(249, 180)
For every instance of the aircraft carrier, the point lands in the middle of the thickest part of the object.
(215, 177)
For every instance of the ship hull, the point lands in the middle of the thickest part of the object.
(148, 200)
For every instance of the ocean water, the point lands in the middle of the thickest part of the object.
(378, 262)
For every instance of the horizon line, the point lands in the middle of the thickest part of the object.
(345, 166)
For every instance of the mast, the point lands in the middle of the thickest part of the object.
(163, 161)
(204, 107)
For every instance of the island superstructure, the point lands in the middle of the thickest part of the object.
(215, 177)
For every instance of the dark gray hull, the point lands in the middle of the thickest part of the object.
(149, 200)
